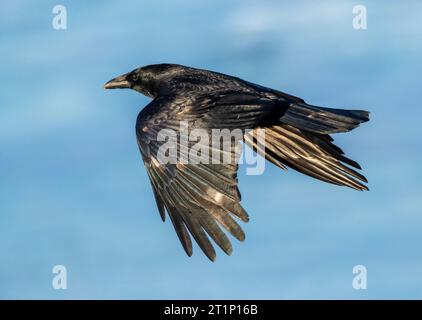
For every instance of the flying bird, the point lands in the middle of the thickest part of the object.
(202, 198)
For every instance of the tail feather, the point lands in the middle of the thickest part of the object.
(323, 120)
(313, 154)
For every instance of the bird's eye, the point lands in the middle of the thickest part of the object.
(134, 77)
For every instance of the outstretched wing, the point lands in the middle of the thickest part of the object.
(199, 198)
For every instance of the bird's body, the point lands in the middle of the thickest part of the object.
(201, 197)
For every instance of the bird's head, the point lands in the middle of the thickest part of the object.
(147, 80)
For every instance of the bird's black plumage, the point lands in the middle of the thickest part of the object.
(201, 198)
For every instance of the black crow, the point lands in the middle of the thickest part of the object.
(202, 197)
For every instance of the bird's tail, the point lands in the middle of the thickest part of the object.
(323, 120)
(311, 153)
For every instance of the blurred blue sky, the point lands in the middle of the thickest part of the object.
(73, 189)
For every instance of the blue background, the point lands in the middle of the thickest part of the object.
(73, 190)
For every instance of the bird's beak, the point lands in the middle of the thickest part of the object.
(119, 82)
